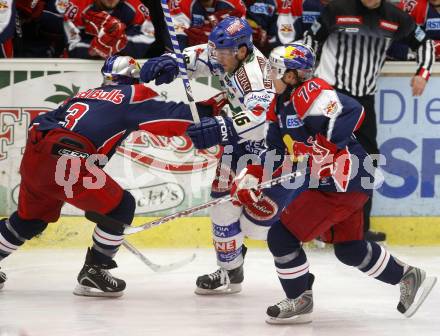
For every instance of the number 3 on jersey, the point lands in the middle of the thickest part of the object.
(74, 113)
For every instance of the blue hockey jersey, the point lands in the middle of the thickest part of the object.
(107, 115)
(316, 108)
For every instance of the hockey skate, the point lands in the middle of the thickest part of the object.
(2, 279)
(293, 311)
(94, 279)
(221, 281)
(414, 284)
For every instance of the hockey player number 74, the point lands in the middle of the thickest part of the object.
(75, 112)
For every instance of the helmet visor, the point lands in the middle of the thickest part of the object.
(219, 54)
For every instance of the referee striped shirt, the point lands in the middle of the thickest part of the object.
(355, 39)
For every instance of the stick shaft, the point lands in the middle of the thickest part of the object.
(180, 60)
(278, 180)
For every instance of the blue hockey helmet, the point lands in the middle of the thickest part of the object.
(231, 33)
(120, 70)
(295, 56)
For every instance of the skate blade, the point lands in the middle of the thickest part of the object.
(426, 288)
(81, 290)
(1, 285)
(297, 319)
(231, 289)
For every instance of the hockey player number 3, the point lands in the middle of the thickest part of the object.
(75, 112)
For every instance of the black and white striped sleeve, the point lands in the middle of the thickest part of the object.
(415, 37)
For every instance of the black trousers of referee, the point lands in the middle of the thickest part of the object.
(366, 135)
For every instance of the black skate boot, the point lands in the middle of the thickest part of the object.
(2, 279)
(293, 311)
(221, 281)
(414, 283)
(94, 279)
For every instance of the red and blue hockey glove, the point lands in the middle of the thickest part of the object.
(243, 186)
(212, 131)
(105, 45)
(322, 153)
(326, 159)
(109, 32)
(164, 69)
(213, 106)
(96, 22)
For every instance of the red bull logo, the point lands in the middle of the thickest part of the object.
(293, 52)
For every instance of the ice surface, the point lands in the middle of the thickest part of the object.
(38, 299)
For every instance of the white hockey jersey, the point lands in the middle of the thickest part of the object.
(249, 90)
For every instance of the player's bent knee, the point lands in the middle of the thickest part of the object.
(252, 230)
(280, 241)
(124, 211)
(225, 213)
(27, 228)
(352, 252)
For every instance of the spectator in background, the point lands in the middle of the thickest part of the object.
(262, 17)
(7, 28)
(355, 36)
(194, 19)
(100, 28)
(42, 28)
(296, 17)
(426, 13)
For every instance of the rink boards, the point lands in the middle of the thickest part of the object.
(195, 232)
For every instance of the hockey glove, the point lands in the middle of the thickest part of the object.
(243, 186)
(213, 106)
(164, 69)
(95, 21)
(107, 45)
(212, 131)
(326, 159)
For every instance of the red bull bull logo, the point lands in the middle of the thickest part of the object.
(293, 52)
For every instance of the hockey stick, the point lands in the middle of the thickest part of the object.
(156, 267)
(180, 60)
(116, 225)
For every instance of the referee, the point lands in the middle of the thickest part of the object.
(353, 36)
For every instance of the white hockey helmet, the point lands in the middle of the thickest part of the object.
(120, 70)
(293, 56)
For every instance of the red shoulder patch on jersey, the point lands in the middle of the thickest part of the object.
(416, 8)
(388, 25)
(304, 95)
(141, 93)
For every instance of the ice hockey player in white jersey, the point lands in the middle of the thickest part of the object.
(244, 76)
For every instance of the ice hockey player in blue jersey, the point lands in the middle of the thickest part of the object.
(310, 121)
(75, 141)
